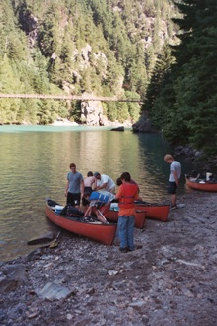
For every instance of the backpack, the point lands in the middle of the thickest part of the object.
(69, 210)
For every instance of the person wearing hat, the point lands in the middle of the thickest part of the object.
(104, 182)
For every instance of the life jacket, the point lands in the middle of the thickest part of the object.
(101, 197)
(127, 198)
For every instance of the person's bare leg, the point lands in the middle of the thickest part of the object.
(88, 211)
(100, 216)
(173, 200)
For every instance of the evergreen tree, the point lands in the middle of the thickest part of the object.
(191, 106)
(158, 80)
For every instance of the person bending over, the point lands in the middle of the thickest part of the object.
(104, 182)
(89, 183)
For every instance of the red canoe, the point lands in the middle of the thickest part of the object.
(113, 216)
(156, 211)
(103, 233)
(205, 186)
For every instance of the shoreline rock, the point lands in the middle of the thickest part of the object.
(62, 122)
(121, 128)
(106, 123)
(201, 163)
(144, 125)
(171, 280)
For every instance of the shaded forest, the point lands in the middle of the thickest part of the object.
(182, 94)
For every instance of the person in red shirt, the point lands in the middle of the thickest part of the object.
(126, 195)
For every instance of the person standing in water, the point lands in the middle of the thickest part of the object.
(175, 173)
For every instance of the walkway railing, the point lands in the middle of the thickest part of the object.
(70, 97)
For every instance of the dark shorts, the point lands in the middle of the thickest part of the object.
(172, 188)
(85, 202)
(88, 189)
(73, 199)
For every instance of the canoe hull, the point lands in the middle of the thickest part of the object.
(140, 218)
(211, 187)
(152, 211)
(103, 233)
(155, 212)
(113, 216)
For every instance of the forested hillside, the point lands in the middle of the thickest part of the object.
(182, 97)
(100, 47)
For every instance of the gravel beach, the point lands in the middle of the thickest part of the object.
(171, 280)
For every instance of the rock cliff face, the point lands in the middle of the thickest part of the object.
(92, 113)
(29, 23)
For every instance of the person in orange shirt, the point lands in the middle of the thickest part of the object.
(126, 195)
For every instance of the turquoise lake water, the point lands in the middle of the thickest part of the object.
(34, 161)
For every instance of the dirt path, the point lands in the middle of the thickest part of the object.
(170, 281)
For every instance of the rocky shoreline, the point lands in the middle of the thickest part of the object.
(171, 280)
(65, 123)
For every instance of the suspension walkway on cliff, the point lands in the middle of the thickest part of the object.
(83, 98)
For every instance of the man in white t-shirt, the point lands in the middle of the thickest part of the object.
(175, 173)
(104, 182)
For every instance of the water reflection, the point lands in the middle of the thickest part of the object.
(34, 162)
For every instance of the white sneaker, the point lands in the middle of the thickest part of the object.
(180, 205)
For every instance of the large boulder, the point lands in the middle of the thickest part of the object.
(92, 112)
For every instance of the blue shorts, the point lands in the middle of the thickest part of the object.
(172, 188)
